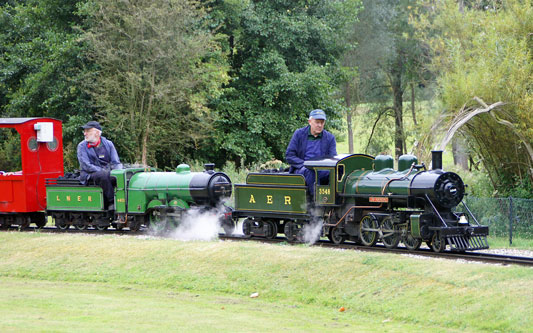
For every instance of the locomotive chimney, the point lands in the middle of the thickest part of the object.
(436, 159)
(209, 166)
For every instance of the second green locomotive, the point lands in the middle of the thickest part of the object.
(365, 200)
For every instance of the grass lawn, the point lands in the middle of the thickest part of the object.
(82, 282)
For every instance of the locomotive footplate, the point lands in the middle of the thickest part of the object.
(465, 238)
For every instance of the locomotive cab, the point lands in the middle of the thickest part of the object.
(325, 189)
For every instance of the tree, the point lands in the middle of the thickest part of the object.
(158, 65)
(284, 57)
(43, 65)
(481, 64)
(389, 60)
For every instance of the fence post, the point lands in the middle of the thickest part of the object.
(511, 220)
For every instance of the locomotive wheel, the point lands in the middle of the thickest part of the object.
(336, 235)
(272, 229)
(156, 222)
(391, 235)
(134, 226)
(368, 230)
(81, 226)
(291, 231)
(438, 244)
(411, 243)
(101, 227)
(40, 224)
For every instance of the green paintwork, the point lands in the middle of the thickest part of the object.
(405, 162)
(368, 182)
(349, 164)
(271, 199)
(163, 186)
(325, 194)
(122, 176)
(275, 179)
(78, 198)
(415, 225)
(383, 162)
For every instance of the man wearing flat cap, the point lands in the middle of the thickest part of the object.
(98, 156)
(308, 143)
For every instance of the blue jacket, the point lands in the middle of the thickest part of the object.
(89, 161)
(296, 150)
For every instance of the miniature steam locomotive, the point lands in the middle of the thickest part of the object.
(364, 200)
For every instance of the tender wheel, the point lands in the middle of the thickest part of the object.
(391, 234)
(336, 235)
(411, 243)
(61, 224)
(228, 228)
(438, 244)
(271, 229)
(247, 228)
(368, 230)
(101, 227)
(291, 231)
(23, 221)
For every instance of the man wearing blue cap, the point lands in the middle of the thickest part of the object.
(311, 142)
(98, 156)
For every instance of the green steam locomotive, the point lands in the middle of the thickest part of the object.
(143, 196)
(364, 200)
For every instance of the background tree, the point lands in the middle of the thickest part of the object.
(284, 57)
(157, 67)
(43, 65)
(389, 59)
(485, 59)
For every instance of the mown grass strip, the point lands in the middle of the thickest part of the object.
(401, 290)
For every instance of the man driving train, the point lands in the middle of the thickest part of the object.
(311, 142)
(98, 156)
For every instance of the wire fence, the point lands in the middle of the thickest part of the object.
(506, 217)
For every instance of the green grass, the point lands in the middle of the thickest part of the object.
(76, 282)
(519, 243)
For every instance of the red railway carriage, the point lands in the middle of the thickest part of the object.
(22, 192)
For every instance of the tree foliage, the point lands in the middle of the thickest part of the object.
(484, 53)
(389, 60)
(43, 64)
(157, 67)
(283, 57)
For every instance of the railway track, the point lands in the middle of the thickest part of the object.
(467, 256)
(489, 258)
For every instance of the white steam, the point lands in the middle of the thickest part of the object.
(312, 231)
(197, 225)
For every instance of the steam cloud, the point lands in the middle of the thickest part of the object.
(311, 232)
(195, 224)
